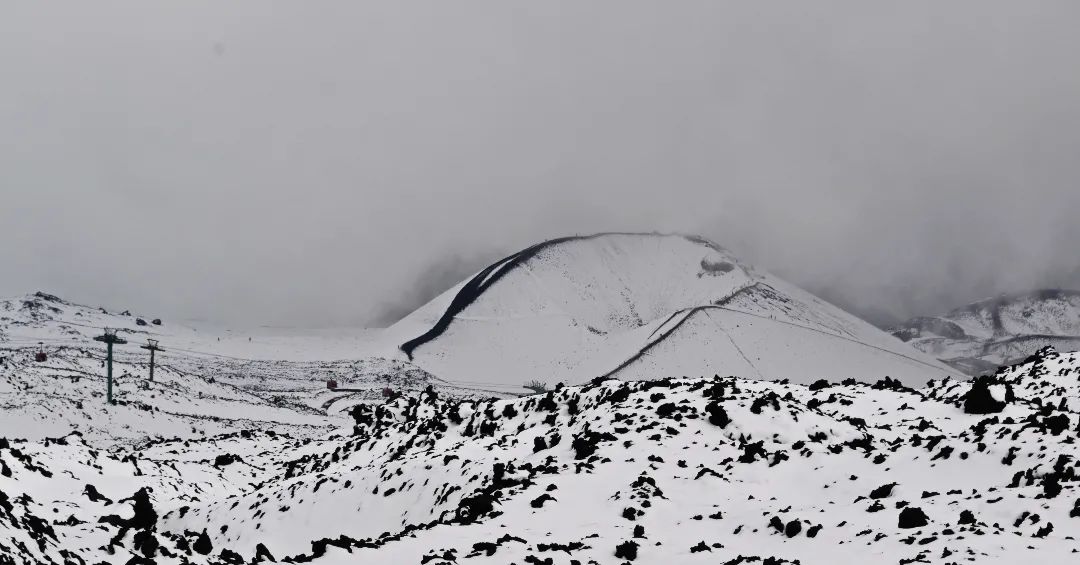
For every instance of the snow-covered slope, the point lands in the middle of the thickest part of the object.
(55, 321)
(997, 331)
(640, 306)
(684, 471)
(204, 383)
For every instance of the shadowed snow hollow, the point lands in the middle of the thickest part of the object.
(640, 306)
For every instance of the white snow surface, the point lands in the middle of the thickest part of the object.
(681, 471)
(638, 305)
(207, 380)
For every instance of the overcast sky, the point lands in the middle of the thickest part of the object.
(325, 163)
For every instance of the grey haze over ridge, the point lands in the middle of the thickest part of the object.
(343, 162)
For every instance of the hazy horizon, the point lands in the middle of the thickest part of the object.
(265, 163)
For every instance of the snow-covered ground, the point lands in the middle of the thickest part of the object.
(237, 452)
(717, 470)
(206, 381)
(55, 321)
(979, 337)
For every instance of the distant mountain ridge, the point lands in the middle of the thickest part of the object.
(997, 331)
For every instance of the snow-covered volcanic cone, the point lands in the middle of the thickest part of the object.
(641, 306)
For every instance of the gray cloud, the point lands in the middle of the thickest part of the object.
(266, 162)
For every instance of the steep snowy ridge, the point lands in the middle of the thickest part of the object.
(997, 331)
(572, 309)
(718, 470)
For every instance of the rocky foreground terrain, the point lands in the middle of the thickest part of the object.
(720, 470)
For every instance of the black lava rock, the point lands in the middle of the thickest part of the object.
(912, 517)
(978, 400)
(202, 546)
(882, 491)
(626, 550)
(225, 459)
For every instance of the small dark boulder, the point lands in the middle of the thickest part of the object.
(966, 517)
(979, 400)
(1051, 485)
(912, 517)
(485, 547)
(539, 501)
(776, 523)
(202, 546)
(470, 508)
(882, 491)
(666, 410)
(717, 415)
(145, 517)
(92, 493)
(225, 459)
(262, 554)
(626, 550)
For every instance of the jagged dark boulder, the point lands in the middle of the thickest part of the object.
(225, 459)
(202, 546)
(882, 491)
(912, 517)
(966, 517)
(626, 550)
(979, 400)
(717, 415)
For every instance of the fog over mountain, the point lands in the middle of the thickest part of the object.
(264, 162)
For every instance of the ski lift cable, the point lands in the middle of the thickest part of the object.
(31, 341)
